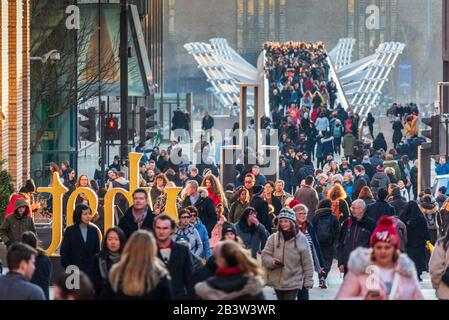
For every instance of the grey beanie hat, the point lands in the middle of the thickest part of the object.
(287, 213)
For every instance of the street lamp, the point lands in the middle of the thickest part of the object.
(53, 55)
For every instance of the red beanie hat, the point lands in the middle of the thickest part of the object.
(386, 232)
(293, 203)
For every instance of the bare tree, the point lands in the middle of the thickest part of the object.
(85, 64)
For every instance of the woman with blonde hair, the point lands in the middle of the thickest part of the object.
(215, 190)
(139, 274)
(238, 276)
(340, 207)
(82, 182)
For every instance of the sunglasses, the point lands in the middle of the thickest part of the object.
(185, 217)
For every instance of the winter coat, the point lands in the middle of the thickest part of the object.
(128, 224)
(444, 214)
(236, 211)
(383, 179)
(309, 197)
(254, 238)
(417, 236)
(379, 209)
(162, 291)
(295, 254)
(393, 164)
(353, 234)
(327, 227)
(401, 229)
(206, 209)
(180, 268)
(12, 201)
(398, 203)
(232, 284)
(354, 284)
(286, 175)
(14, 286)
(179, 120)
(369, 169)
(263, 215)
(322, 124)
(199, 226)
(207, 123)
(359, 183)
(397, 134)
(438, 264)
(328, 146)
(42, 275)
(76, 251)
(15, 225)
(195, 242)
(348, 144)
(380, 144)
(283, 197)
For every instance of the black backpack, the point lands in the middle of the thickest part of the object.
(323, 230)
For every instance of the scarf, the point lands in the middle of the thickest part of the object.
(303, 227)
(228, 271)
(289, 234)
(114, 257)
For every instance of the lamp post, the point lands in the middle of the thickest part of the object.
(123, 79)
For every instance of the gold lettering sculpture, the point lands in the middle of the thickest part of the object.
(57, 190)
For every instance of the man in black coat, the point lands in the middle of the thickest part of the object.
(138, 216)
(208, 122)
(176, 257)
(397, 201)
(359, 182)
(261, 207)
(204, 205)
(355, 232)
(380, 207)
(194, 175)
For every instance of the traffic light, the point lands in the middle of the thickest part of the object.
(90, 125)
(146, 123)
(112, 131)
(433, 134)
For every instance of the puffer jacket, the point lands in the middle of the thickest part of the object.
(393, 164)
(439, 262)
(355, 287)
(295, 254)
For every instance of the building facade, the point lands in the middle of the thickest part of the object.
(15, 89)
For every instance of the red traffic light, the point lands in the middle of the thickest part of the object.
(112, 123)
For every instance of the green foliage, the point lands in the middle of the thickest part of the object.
(6, 189)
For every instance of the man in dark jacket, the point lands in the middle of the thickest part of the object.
(16, 284)
(176, 257)
(200, 200)
(261, 207)
(380, 207)
(194, 175)
(138, 216)
(207, 122)
(355, 232)
(359, 181)
(16, 224)
(397, 201)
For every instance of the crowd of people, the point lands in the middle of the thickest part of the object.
(342, 199)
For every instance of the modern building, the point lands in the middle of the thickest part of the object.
(15, 89)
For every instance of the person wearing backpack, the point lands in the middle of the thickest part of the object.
(337, 132)
(327, 229)
(439, 268)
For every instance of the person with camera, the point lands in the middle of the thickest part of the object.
(381, 272)
(287, 258)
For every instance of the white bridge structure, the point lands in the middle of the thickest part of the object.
(359, 83)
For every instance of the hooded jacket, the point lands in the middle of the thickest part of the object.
(295, 254)
(383, 179)
(15, 225)
(393, 164)
(397, 201)
(323, 222)
(199, 226)
(354, 285)
(231, 286)
(254, 238)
